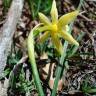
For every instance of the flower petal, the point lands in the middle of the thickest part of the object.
(54, 13)
(69, 38)
(44, 37)
(67, 18)
(44, 19)
(44, 28)
(57, 43)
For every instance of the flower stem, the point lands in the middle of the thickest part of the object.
(33, 62)
(59, 69)
(62, 59)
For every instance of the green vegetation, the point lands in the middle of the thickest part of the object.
(60, 43)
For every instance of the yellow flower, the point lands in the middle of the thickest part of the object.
(56, 28)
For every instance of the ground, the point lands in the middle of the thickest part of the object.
(78, 77)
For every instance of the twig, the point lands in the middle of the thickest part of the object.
(9, 28)
(84, 17)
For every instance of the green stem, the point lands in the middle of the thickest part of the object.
(38, 7)
(59, 69)
(6, 4)
(30, 4)
(34, 11)
(93, 90)
(33, 62)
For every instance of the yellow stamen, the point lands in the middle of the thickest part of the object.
(54, 28)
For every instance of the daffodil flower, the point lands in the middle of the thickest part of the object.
(56, 28)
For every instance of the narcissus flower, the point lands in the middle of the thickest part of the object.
(56, 28)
